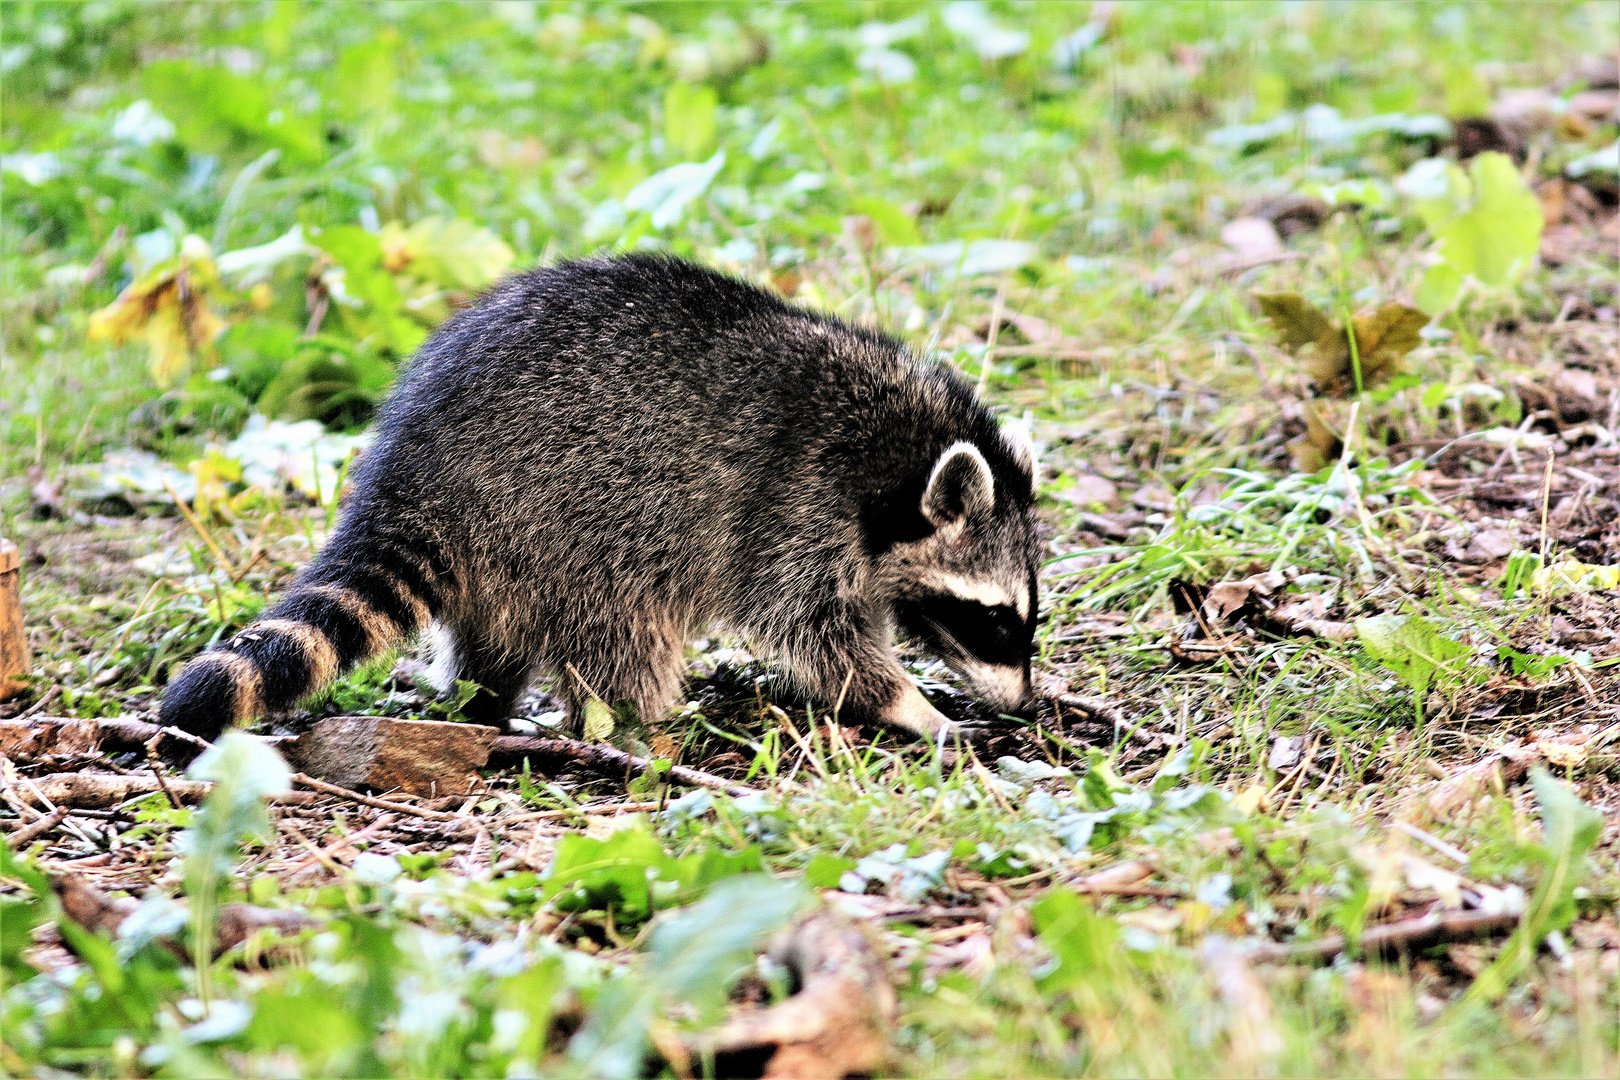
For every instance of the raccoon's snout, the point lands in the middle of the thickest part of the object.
(1004, 687)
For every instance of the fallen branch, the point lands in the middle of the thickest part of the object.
(29, 833)
(606, 759)
(102, 791)
(32, 739)
(234, 923)
(837, 1025)
(1430, 929)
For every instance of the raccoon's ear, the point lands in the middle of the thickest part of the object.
(960, 486)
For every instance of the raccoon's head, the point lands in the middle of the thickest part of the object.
(967, 590)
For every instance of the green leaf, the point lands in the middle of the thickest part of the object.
(1519, 572)
(1435, 394)
(450, 254)
(692, 958)
(825, 870)
(1439, 288)
(1466, 94)
(691, 126)
(1528, 664)
(599, 720)
(894, 225)
(1411, 647)
(1569, 829)
(1082, 941)
(1496, 231)
(217, 111)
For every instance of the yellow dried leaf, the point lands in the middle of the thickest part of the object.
(1384, 335)
(1252, 798)
(166, 339)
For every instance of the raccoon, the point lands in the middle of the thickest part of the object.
(600, 461)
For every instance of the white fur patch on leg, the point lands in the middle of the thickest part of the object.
(446, 665)
(910, 710)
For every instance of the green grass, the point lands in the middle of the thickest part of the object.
(1182, 448)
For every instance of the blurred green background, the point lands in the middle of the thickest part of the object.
(296, 192)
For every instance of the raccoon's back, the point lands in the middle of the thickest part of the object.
(644, 419)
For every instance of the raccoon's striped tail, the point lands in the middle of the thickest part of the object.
(339, 613)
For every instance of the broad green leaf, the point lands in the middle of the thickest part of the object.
(217, 111)
(1411, 647)
(1082, 941)
(690, 122)
(599, 720)
(692, 957)
(1439, 288)
(824, 871)
(366, 74)
(1466, 94)
(1569, 829)
(894, 225)
(454, 253)
(1503, 226)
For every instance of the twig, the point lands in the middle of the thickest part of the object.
(1094, 707)
(1430, 929)
(581, 811)
(28, 833)
(608, 760)
(234, 923)
(1435, 842)
(367, 800)
(50, 695)
(219, 555)
(157, 774)
(1245, 265)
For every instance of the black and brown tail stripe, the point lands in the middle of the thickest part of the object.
(340, 613)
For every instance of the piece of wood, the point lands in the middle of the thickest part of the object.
(13, 639)
(29, 833)
(422, 757)
(605, 759)
(1425, 930)
(30, 740)
(233, 924)
(101, 791)
(840, 1022)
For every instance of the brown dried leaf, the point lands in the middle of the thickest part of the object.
(1384, 335)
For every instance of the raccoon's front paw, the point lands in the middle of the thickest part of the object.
(968, 733)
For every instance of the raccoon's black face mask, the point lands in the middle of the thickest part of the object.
(969, 591)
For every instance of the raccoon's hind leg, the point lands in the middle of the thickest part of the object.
(641, 662)
(501, 676)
